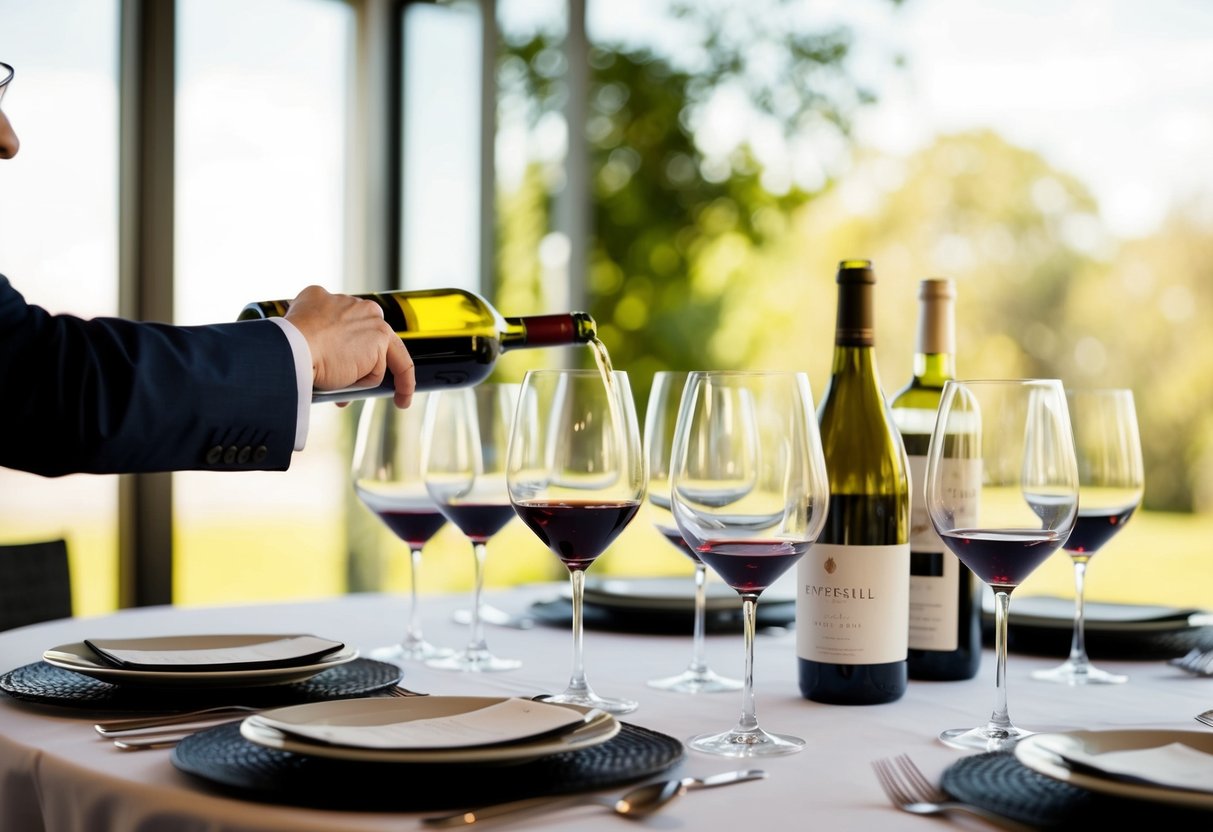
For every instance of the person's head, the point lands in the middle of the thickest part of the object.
(8, 137)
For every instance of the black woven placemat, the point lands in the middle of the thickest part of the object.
(998, 781)
(46, 684)
(558, 612)
(239, 768)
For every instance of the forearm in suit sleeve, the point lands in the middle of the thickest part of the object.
(109, 395)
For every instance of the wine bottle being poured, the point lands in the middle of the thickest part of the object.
(453, 336)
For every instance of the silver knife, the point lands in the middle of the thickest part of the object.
(538, 804)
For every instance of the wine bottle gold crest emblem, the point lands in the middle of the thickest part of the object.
(830, 566)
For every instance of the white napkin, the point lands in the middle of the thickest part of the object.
(1176, 765)
(214, 653)
(510, 720)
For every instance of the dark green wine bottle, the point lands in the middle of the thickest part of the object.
(945, 598)
(852, 601)
(453, 336)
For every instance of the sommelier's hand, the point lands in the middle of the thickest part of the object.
(351, 344)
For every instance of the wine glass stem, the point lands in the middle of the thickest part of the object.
(412, 635)
(749, 618)
(1078, 646)
(577, 682)
(477, 644)
(999, 720)
(698, 662)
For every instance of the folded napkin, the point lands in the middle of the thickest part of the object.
(1174, 765)
(213, 653)
(510, 720)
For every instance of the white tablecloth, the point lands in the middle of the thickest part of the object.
(58, 775)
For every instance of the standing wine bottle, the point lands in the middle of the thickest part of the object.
(945, 599)
(853, 588)
(453, 336)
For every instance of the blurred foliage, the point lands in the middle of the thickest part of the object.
(699, 261)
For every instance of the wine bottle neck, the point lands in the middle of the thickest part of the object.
(933, 369)
(854, 324)
(548, 330)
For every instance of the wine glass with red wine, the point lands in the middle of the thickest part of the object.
(749, 493)
(1111, 481)
(577, 477)
(465, 435)
(659, 421)
(1002, 492)
(388, 480)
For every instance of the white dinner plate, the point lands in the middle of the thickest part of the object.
(80, 658)
(598, 728)
(670, 594)
(1038, 752)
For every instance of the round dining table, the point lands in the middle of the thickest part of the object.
(57, 774)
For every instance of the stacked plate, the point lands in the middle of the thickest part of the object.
(1158, 765)
(202, 660)
(430, 729)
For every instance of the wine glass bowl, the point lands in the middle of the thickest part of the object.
(577, 477)
(1002, 493)
(660, 420)
(749, 494)
(388, 480)
(1111, 481)
(463, 450)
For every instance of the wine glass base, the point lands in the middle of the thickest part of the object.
(590, 700)
(696, 681)
(756, 743)
(1070, 673)
(479, 661)
(411, 652)
(984, 738)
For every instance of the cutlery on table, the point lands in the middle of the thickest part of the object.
(636, 803)
(1205, 718)
(115, 727)
(1196, 661)
(497, 617)
(909, 790)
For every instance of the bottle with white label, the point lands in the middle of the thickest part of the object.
(945, 598)
(853, 586)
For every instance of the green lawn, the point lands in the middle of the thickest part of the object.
(1158, 559)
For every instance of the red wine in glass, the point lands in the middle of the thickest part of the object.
(1095, 527)
(414, 526)
(751, 566)
(1003, 558)
(479, 521)
(577, 532)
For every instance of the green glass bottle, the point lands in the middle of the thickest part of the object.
(853, 585)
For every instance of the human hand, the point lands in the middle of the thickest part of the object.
(351, 344)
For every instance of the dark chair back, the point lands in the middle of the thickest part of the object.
(35, 583)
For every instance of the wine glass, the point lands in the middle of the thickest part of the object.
(749, 493)
(659, 421)
(577, 477)
(463, 460)
(1111, 481)
(1002, 493)
(388, 480)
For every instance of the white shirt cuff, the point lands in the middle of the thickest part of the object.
(303, 378)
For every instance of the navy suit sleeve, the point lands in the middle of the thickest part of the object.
(109, 395)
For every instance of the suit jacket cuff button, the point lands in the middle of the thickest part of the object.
(214, 455)
(261, 453)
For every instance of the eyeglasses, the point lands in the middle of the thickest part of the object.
(6, 75)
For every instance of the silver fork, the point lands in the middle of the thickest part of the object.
(909, 790)
(1196, 661)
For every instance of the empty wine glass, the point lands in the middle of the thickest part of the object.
(749, 494)
(659, 421)
(1110, 481)
(466, 433)
(388, 480)
(1002, 492)
(577, 477)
